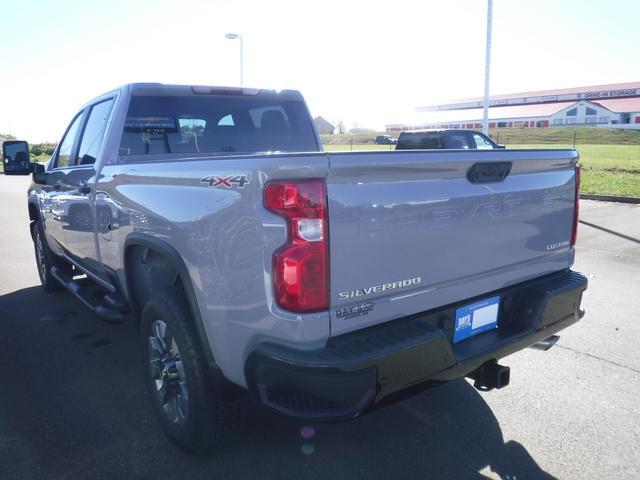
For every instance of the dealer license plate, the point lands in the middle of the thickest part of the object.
(476, 318)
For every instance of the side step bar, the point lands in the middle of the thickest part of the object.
(108, 308)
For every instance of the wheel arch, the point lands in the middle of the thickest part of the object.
(34, 215)
(136, 243)
(33, 211)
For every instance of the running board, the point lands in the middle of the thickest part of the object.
(106, 308)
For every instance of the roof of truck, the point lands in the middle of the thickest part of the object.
(438, 130)
(174, 89)
(147, 88)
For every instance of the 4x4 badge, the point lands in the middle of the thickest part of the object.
(228, 182)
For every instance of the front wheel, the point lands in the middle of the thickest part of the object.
(190, 409)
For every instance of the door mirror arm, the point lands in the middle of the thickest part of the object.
(39, 174)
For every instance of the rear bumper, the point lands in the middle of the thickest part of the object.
(359, 369)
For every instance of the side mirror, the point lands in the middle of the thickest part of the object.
(15, 158)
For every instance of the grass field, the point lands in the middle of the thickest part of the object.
(612, 158)
(608, 183)
(607, 169)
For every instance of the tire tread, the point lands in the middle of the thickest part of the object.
(216, 420)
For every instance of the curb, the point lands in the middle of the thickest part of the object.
(609, 198)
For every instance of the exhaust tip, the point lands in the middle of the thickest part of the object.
(546, 344)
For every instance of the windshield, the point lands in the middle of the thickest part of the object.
(210, 124)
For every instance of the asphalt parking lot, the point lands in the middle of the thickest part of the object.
(73, 403)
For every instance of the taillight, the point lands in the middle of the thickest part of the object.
(576, 208)
(300, 266)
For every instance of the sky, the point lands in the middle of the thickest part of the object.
(367, 63)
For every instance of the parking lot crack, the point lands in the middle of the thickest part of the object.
(590, 355)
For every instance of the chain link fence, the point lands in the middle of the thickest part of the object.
(599, 148)
(610, 158)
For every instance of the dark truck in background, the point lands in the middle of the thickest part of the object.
(385, 140)
(319, 284)
(445, 139)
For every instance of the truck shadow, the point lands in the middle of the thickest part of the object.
(74, 406)
(446, 432)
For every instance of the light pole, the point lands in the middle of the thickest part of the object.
(487, 70)
(235, 36)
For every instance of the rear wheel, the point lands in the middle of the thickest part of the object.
(44, 260)
(185, 398)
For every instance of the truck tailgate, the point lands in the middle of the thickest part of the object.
(410, 232)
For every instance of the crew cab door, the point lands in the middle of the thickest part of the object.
(80, 215)
(52, 196)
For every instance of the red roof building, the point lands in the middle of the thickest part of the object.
(614, 106)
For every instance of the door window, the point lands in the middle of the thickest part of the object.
(94, 133)
(481, 141)
(456, 140)
(66, 146)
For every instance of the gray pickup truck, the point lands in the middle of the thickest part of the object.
(318, 284)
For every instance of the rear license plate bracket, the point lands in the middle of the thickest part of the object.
(476, 318)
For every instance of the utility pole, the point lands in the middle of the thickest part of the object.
(236, 36)
(487, 70)
(241, 61)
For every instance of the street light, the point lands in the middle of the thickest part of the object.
(487, 70)
(235, 36)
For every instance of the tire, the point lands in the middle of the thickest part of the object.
(185, 395)
(45, 259)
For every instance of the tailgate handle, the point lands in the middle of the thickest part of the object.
(489, 172)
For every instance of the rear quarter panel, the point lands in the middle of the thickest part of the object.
(225, 237)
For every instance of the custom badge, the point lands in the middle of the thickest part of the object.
(232, 181)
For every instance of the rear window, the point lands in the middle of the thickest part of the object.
(214, 124)
(416, 141)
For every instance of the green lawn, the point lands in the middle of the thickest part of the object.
(606, 169)
(610, 183)
(613, 158)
